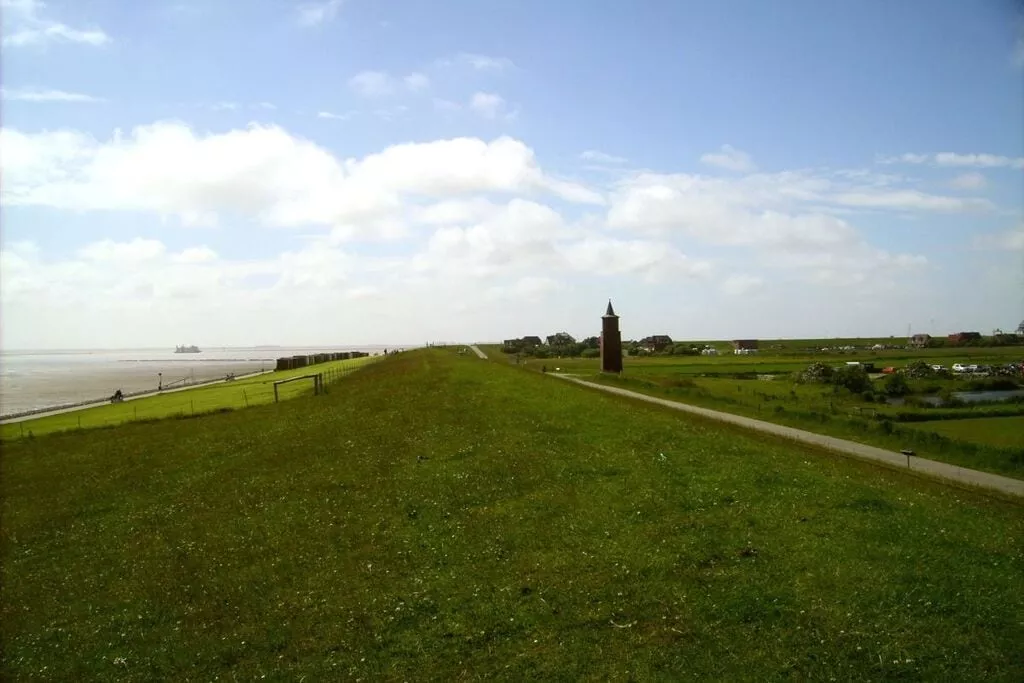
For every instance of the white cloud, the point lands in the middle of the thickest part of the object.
(488, 105)
(1017, 55)
(417, 82)
(30, 27)
(375, 84)
(224, 106)
(447, 106)
(1010, 240)
(651, 260)
(372, 84)
(903, 159)
(265, 105)
(739, 284)
(134, 253)
(195, 255)
(46, 95)
(955, 159)
(316, 13)
(978, 160)
(477, 62)
(909, 200)
(261, 171)
(968, 181)
(729, 158)
(600, 157)
(333, 117)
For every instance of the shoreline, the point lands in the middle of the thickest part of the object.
(26, 415)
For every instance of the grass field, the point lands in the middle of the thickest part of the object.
(997, 431)
(449, 518)
(241, 393)
(711, 382)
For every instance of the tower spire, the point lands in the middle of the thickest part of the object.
(610, 313)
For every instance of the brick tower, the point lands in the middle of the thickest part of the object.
(611, 341)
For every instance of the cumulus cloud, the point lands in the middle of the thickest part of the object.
(417, 82)
(489, 105)
(739, 284)
(729, 158)
(376, 84)
(968, 181)
(261, 172)
(457, 225)
(29, 25)
(1009, 240)
(601, 157)
(316, 13)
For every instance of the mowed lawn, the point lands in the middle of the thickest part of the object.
(240, 393)
(446, 518)
(996, 431)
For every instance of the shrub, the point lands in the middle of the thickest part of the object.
(590, 353)
(853, 378)
(919, 370)
(817, 372)
(896, 385)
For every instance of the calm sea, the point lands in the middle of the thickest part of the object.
(42, 379)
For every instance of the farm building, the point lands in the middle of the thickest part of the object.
(561, 339)
(744, 347)
(920, 341)
(656, 342)
(527, 342)
(964, 337)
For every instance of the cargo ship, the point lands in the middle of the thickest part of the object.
(186, 349)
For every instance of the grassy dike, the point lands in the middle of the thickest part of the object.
(207, 398)
(446, 517)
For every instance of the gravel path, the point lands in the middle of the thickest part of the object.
(941, 470)
(478, 352)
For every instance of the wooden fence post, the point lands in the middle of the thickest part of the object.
(246, 397)
(275, 392)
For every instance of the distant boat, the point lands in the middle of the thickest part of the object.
(186, 349)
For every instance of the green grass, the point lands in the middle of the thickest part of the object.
(813, 407)
(996, 431)
(241, 393)
(447, 518)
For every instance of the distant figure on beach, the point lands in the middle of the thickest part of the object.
(117, 397)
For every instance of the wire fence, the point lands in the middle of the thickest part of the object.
(202, 400)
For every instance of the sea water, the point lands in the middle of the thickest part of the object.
(31, 380)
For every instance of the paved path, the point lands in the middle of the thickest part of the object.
(478, 352)
(941, 470)
(147, 394)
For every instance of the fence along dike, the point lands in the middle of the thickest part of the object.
(203, 401)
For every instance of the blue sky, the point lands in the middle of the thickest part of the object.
(486, 169)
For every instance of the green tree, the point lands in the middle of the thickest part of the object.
(853, 378)
(896, 385)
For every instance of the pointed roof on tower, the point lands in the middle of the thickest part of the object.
(610, 313)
